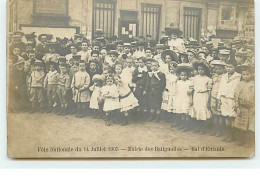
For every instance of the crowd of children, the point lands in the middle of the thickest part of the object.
(197, 86)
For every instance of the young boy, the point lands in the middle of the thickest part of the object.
(217, 125)
(50, 83)
(139, 78)
(79, 85)
(63, 87)
(36, 82)
(154, 88)
(227, 86)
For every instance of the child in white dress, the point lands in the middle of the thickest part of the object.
(126, 98)
(183, 98)
(168, 102)
(110, 94)
(202, 85)
(96, 93)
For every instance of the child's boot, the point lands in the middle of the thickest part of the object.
(107, 120)
(33, 109)
(151, 117)
(158, 117)
(125, 121)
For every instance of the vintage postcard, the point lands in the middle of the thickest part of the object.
(130, 78)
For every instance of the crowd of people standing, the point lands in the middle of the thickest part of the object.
(200, 86)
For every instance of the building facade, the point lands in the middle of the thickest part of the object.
(130, 18)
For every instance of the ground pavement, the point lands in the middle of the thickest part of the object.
(49, 135)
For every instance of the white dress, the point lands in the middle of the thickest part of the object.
(171, 85)
(182, 103)
(111, 102)
(202, 87)
(127, 99)
(96, 93)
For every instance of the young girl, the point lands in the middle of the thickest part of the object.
(226, 95)
(244, 106)
(217, 125)
(139, 78)
(183, 57)
(111, 98)
(168, 102)
(63, 88)
(127, 72)
(79, 86)
(126, 98)
(51, 84)
(202, 85)
(96, 93)
(183, 98)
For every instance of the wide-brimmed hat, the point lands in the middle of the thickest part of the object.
(113, 52)
(204, 63)
(192, 51)
(175, 64)
(171, 53)
(243, 67)
(38, 62)
(218, 62)
(183, 67)
(127, 45)
(41, 35)
(30, 36)
(159, 46)
(224, 52)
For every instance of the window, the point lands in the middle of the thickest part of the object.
(192, 22)
(151, 20)
(104, 17)
(13, 16)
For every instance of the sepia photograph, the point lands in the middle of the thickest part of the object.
(130, 79)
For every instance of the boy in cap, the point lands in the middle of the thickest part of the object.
(36, 82)
(226, 96)
(139, 78)
(50, 84)
(217, 125)
(224, 55)
(63, 88)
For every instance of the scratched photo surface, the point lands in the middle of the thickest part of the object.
(130, 79)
